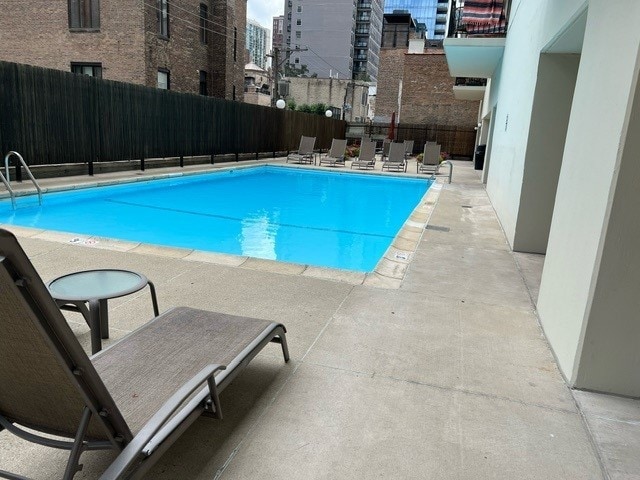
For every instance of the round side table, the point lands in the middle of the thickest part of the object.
(95, 287)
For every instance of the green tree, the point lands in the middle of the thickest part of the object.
(305, 108)
(293, 71)
(291, 104)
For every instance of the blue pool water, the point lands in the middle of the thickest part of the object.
(328, 219)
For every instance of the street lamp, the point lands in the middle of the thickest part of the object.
(328, 113)
(281, 104)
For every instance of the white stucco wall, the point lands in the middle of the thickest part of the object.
(584, 329)
(532, 25)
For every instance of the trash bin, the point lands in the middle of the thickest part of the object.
(478, 163)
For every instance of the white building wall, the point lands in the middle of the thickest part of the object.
(588, 180)
(532, 25)
(588, 299)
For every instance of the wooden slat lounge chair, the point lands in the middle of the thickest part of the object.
(367, 156)
(396, 159)
(335, 156)
(305, 151)
(136, 396)
(431, 159)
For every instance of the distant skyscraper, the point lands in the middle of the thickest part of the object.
(430, 15)
(334, 37)
(257, 43)
(277, 33)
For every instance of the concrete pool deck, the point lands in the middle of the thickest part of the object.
(446, 376)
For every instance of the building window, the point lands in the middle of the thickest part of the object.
(91, 69)
(298, 22)
(163, 79)
(163, 18)
(297, 60)
(298, 34)
(235, 44)
(203, 82)
(299, 8)
(204, 13)
(84, 14)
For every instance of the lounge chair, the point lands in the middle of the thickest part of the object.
(431, 159)
(384, 151)
(408, 149)
(305, 151)
(367, 156)
(335, 156)
(136, 396)
(396, 160)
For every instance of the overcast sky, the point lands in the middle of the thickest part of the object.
(263, 11)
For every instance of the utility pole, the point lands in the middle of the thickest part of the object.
(277, 63)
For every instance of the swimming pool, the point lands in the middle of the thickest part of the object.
(328, 219)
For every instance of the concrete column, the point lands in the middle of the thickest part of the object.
(589, 299)
(545, 144)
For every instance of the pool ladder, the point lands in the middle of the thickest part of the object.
(6, 179)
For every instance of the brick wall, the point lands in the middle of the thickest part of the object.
(182, 53)
(390, 72)
(229, 72)
(331, 92)
(36, 32)
(427, 90)
(427, 93)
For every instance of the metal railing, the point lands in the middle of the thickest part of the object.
(6, 178)
(458, 28)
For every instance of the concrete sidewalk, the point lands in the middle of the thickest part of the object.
(447, 377)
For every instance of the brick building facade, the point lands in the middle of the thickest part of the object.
(197, 48)
(415, 82)
(419, 87)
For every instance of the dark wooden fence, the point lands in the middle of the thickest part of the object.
(457, 141)
(54, 117)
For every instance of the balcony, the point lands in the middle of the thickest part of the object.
(474, 49)
(466, 88)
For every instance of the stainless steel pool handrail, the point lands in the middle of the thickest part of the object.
(13, 195)
(8, 178)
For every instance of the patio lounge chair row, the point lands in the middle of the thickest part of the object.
(136, 396)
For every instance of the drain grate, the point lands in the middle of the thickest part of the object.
(437, 228)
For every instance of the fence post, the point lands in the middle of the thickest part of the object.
(91, 167)
(181, 161)
(142, 163)
(213, 158)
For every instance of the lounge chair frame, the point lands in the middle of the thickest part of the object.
(367, 157)
(305, 152)
(335, 155)
(40, 315)
(396, 160)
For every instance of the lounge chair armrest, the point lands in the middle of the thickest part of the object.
(131, 452)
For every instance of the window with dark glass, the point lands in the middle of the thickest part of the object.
(235, 43)
(84, 68)
(163, 18)
(203, 82)
(204, 12)
(84, 14)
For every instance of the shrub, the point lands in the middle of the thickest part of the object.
(352, 151)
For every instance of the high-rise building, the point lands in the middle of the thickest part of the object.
(335, 38)
(431, 16)
(257, 43)
(277, 33)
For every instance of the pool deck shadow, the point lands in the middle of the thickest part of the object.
(434, 367)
